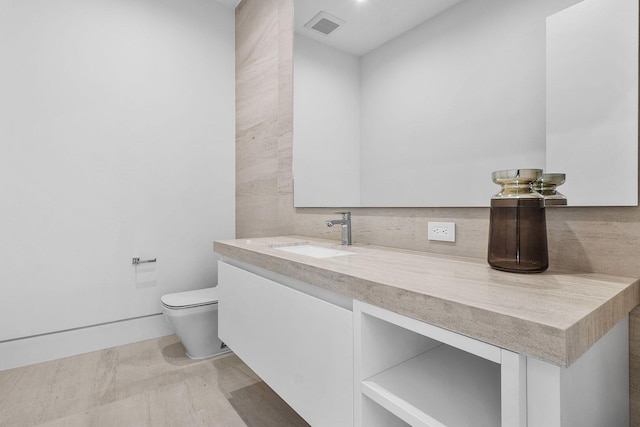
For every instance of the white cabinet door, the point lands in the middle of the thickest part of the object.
(301, 346)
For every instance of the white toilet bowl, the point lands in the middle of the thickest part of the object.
(193, 316)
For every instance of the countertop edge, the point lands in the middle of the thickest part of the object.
(562, 346)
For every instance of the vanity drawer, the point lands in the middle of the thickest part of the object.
(300, 345)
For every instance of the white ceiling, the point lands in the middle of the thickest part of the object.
(230, 3)
(369, 23)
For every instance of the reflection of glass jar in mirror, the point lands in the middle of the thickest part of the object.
(517, 226)
(547, 186)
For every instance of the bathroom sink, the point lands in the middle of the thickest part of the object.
(313, 251)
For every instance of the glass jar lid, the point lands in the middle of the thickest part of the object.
(513, 176)
(547, 186)
(517, 183)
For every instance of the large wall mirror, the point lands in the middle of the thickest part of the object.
(413, 103)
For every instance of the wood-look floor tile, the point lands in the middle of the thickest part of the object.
(149, 384)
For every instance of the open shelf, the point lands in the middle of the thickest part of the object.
(442, 387)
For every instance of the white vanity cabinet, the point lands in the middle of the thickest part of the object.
(300, 345)
(411, 373)
(352, 340)
(431, 377)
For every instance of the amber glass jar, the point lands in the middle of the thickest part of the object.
(517, 226)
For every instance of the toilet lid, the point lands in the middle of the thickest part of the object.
(191, 298)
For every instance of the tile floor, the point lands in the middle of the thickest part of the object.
(150, 383)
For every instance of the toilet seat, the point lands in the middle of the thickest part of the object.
(189, 299)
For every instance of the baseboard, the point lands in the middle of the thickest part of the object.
(42, 348)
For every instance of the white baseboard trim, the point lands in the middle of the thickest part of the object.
(42, 348)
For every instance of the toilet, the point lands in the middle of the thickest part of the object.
(193, 316)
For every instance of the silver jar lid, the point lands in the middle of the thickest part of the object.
(516, 175)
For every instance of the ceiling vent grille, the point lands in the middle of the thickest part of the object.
(324, 23)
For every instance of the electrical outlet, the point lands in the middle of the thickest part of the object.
(442, 231)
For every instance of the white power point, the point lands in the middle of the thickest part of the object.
(442, 231)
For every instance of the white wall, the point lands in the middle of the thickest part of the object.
(326, 125)
(117, 140)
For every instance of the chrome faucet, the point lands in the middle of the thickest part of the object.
(345, 222)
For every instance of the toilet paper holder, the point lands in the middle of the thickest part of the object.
(137, 260)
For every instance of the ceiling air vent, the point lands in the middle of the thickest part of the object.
(324, 23)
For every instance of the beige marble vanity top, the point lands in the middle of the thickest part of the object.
(554, 316)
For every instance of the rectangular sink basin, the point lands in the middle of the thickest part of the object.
(313, 251)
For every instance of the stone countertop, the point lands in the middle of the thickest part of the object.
(554, 316)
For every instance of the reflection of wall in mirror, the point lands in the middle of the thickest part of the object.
(447, 103)
(326, 125)
(592, 101)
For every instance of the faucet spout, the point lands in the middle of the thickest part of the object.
(345, 222)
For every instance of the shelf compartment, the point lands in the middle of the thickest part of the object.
(442, 387)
